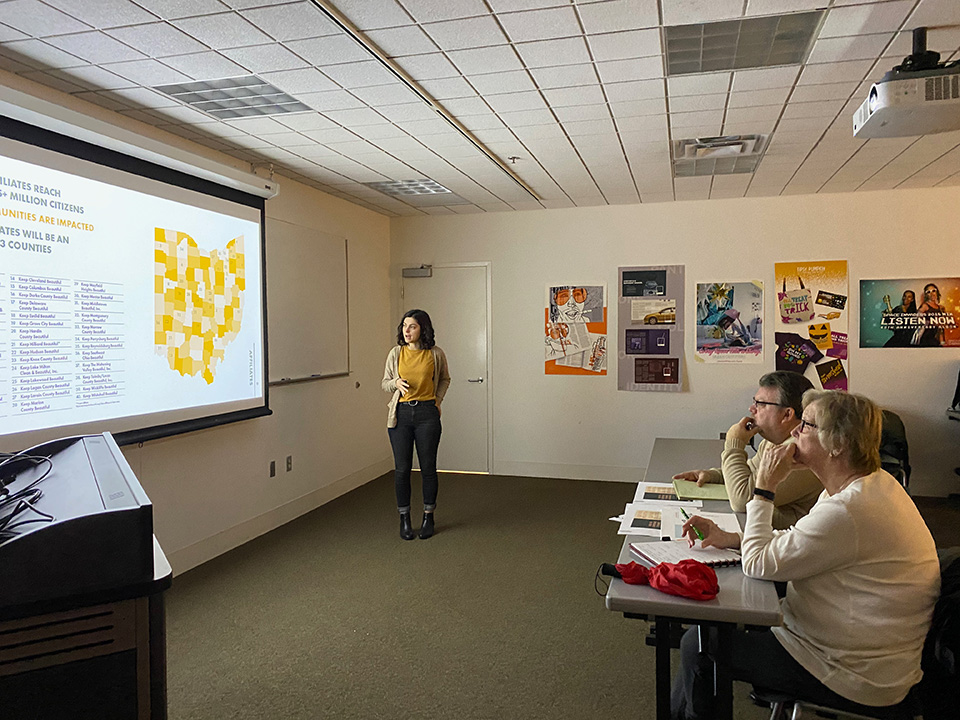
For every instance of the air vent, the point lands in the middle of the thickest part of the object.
(943, 87)
(419, 193)
(740, 44)
(230, 98)
(727, 155)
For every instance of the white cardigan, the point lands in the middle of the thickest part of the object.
(864, 578)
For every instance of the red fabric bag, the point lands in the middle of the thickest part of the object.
(687, 578)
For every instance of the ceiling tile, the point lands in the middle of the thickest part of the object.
(761, 115)
(827, 91)
(622, 45)
(858, 47)
(516, 101)
(931, 13)
(690, 103)
(157, 39)
(848, 71)
(303, 80)
(693, 119)
(521, 119)
(822, 109)
(95, 47)
(503, 82)
(752, 98)
(780, 7)
(635, 69)
(223, 30)
(407, 40)
(8, 33)
(633, 108)
(265, 58)
(147, 72)
(356, 117)
(486, 60)
(682, 12)
(564, 76)
(589, 127)
(408, 111)
(37, 53)
(104, 14)
(50, 80)
(865, 19)
(765, 78)
(329, 50)
(394, 93)
(37, 19)
(582, 112)
(359, 74)
(445, 88)
(637, 90)
(532, 25)
(427, 67)
(468, 33)
(96, 78)
(330, 100)
(619, 15)
(368, 15)
(697, 84)
(547, 53)
(293, 21)
(566, 97)
(204, 66)
(425, 11)
(304, 121)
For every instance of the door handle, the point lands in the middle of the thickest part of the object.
(475, 380)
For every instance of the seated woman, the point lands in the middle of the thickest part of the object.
(861, 567)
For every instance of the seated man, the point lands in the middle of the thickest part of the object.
(775, 412)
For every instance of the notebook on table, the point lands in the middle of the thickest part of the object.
(673, 551)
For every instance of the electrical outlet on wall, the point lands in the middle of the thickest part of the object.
(273, 468)
(289, 463)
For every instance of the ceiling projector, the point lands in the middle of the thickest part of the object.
(921, 96)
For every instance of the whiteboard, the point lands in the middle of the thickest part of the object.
(307, 307)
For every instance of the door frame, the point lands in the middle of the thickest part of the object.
(487, 267)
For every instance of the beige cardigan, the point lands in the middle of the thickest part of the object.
(441, 380)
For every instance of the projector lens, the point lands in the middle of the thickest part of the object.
(874, 99)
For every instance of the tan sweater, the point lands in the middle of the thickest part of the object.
(441, 380)
(863, 579)
(795, 495)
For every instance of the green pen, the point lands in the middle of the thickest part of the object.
(699, 534)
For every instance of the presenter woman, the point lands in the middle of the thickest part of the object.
(861, 570)
(416, 375)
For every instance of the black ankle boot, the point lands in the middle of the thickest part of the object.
(426, 530)
(406, 527)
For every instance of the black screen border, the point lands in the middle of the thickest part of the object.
(26, 133)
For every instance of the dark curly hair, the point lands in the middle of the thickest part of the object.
(426, 328)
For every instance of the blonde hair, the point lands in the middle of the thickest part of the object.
(848, 425)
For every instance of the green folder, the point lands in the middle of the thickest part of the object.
(688, 490)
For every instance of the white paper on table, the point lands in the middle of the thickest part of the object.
(663, 494)
(641, 518)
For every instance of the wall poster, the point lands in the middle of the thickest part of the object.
(730, 322)
(650, 328)
(575, 330)
(811, 321)
(922, 312)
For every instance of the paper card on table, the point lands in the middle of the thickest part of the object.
(663, 493)
(726, 521)
(641, 518)
(689, 490)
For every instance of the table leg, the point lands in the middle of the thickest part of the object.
(662, 628)
(723, 680)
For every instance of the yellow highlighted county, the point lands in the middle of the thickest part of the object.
(198, 304)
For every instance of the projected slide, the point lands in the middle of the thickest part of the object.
(117, 302)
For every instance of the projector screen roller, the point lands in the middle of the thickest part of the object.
(126, 304)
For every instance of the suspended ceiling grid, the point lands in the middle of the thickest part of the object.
(570, 96)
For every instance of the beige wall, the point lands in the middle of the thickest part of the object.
(583, 426)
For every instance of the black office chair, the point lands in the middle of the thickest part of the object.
(894, 452)
(935, 697)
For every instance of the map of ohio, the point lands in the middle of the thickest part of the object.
(198, 301)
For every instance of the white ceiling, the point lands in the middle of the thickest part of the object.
(574, 90)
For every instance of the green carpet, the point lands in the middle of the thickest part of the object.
(334, 616)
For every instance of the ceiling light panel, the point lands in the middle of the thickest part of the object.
(231, 98)
(727, 155)
(738, 44)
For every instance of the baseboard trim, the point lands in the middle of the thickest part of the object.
(564, 471)
(200, 552)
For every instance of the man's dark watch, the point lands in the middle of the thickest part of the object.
(766, 494)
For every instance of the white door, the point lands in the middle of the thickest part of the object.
(456, 300)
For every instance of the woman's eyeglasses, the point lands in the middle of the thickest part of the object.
(563, 296)
(804, 424)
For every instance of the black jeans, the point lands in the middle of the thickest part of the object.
(757, 657)
(418, 424)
